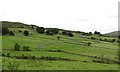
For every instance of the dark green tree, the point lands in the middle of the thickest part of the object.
(26, 33)
(40, 30)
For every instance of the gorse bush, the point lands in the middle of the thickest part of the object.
(16, 47)
(26, 48)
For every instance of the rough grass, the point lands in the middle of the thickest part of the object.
(71, 48)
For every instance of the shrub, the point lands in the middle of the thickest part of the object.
(58, 37)
(106, 40)
(93, 38)
(8, 55)
(48, 32)
(26, 48)
(11, 33)
(69, 34)
(3, 54)
(26, 33)
(16, 47)
(40, 30)
(113, 40)
(64, 32)
(19, 30)
(89, 43)
(101, 39)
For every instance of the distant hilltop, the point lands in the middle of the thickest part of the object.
(113, 34)
(9, 24)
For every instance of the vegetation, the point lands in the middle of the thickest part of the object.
(5, 30)
(44, 49)
(26, 33)
(16, 47)
(40, 30)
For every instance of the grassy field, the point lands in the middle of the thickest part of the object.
(68, 53)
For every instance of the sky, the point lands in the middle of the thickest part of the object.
(79, 15)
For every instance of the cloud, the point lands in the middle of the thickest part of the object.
(112, 16)
(80, 20)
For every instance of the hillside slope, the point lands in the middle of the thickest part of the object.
(113, 34)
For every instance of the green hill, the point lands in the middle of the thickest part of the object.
(14, 24)
(113, 34)
(46, 52)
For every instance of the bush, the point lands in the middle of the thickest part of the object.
(64, 33)
(58, 37)
(48, 32)
(106, 40)
(19, 30)
(8, 55)
(93, 38)
(113, 40)
(16, 47)
(55, 31)
(11, 33)
(69, 34)
(40, 30)
(89, 43)
(26, 48)
(26, 33)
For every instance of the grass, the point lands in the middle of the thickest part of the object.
(71, 48)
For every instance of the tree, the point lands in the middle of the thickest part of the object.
(11, 33)
(98, 33)
(95, 32)
(26, 33)
(64, 32)
(5, 31)
(55, 31)
(48, 32)
(16, 47)
(40, 30)
(90, 33)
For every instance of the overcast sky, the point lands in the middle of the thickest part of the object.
(82, 15)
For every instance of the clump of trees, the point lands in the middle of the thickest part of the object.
(7, 31)
(40, 30)
(88, 34)
(67, 33)
(48, 32)
(98, 33)
(51, 31)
